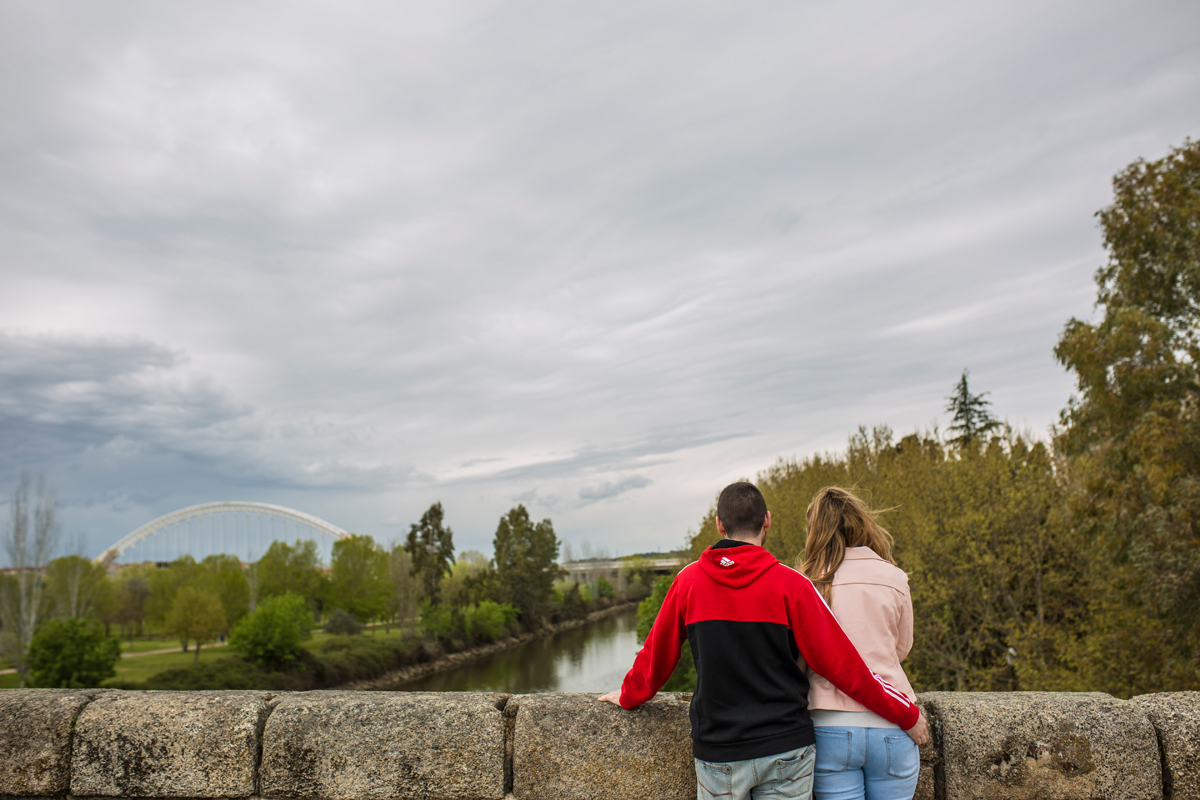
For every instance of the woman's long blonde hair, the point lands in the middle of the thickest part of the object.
(837, 519)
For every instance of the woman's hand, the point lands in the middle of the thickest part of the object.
(919, 733)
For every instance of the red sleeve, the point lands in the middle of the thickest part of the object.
(830, 653)
(657, 659)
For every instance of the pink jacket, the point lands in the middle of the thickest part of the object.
(872, 603)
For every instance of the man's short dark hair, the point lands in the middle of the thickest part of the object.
(742, 510)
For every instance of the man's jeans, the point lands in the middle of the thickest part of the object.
(870, 763)
(783, 776)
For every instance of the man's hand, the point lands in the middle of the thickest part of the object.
(919, 733)
(611, 697)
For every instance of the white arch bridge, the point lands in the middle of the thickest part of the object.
(234, 528)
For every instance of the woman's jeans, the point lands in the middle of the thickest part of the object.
(870, 763)
(783, 776)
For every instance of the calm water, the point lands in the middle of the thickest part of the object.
(593, 658)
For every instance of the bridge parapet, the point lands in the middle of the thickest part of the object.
(477, 746)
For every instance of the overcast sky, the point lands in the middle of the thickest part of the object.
(600, 259)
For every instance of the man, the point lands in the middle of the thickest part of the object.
(748, 618)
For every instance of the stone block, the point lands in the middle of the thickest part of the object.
(1048, 746)
(385, 746)
(571, 747)
(35, 740)
(1176, 720)
(168, 744)
(930, 757)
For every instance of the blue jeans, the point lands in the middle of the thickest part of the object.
(870, 763)
(783, 776)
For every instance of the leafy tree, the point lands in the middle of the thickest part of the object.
(358, 577)
(404, 588)
(604, 589)
(70, 653)
(342, 623)
(637, 576)
(225, 578)
(525, 556)
(971, 418)
(164, 585)
(271, 636)
(196, 615)
(132, 592)
(30, 538)
(431, 546)
(1132, 433)
(471, 579)
(294, 569)
(76, 587)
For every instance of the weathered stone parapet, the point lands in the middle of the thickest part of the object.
(385, 746)
(35, 740)
(570, 747)
(1176, 720)
(476, 746)
(168, 744)
(1042, 746)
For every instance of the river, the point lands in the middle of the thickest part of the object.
(592, 658)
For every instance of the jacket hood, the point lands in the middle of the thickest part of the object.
(736, 567)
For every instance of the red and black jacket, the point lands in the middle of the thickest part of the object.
(748, 617)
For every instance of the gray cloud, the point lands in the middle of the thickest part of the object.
(613, 488)
(357, 261)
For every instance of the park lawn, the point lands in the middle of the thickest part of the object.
(314, 643)
(139, 668)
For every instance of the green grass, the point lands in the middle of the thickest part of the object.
(136, 670)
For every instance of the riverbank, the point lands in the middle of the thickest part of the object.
(462, 657)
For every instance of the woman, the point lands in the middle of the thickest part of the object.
(848, 557)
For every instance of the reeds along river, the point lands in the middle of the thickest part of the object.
(593, 658)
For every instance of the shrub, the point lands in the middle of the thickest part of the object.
(605, 589)
(271, 636)
(71, 654)
(343, 623)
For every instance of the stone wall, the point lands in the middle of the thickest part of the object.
(471, 746)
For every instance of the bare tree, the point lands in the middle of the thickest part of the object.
(29, 541)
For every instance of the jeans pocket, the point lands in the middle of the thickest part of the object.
(713, 780)
(794, 774)
(833, 750)
(903, 756)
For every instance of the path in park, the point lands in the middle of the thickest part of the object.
(143, 653)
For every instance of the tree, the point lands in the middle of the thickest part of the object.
(1132, 433)
(358, 577)
(637, 576)
(431, 546)
(404, 588)
(471, 580)
(132, 592)
(165, 583)
(76, 586)
(226, 579)
(288, 568)
(70, 653)
(196, 615)
(271, 636)
(29, 541)
(971, 418)
(525, 556)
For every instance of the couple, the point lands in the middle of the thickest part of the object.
(772, 662)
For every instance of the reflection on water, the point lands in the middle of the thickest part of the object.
(593, 658)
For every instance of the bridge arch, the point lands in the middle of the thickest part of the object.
(205, 509)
